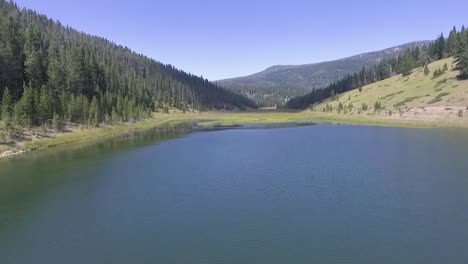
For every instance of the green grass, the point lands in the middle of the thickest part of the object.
(407, 100)
(220, 119)
(397, 90)
(438, 98)
(388, 96)
(415, 97)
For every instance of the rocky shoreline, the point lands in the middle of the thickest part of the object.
(10, 153)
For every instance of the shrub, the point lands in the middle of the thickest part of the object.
(439, 72)
(340, 107)
(460, 113)
(328, 108)
(426, 70)
(377, 106)
(364, 107)
(7, 133)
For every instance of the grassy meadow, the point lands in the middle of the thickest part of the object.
(441, 100)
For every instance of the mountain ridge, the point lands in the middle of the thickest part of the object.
(276, 84)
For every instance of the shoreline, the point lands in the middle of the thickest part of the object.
(219, 121)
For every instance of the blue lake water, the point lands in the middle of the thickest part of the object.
(315, 194)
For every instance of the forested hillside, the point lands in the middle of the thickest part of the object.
(455, 45)
(277, 84)
(51, 74)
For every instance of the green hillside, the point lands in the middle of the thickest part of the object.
(414, 97)
(277, 84)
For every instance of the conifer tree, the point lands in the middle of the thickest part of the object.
(93, 119)
(24, 109)
(115, 116)
(45, 108)
(7, 103)
(57, 123)
(461, 57)
(438, 48)
(33, 69)
(55, 70)
(452, 42)
(426, 70)
(406, 65)
(332, 94)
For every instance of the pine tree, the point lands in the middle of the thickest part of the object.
(340, 107)
(452, 42)
(24, 109)
(84, 107)
(426, 70)
(406, 65)
(57, 123)
(115, 116)
(356, 81)
(377, 106)
(437, 73)
(7, 103)
(438, 48)
(45, 109)
(77, 81)
(55, 71)
(33, 69)
(384, 71)
(93, 119)
(11, 71)
(461, 57)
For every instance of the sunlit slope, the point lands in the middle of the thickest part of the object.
(417, 96)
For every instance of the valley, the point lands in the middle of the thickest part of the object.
(114, 147)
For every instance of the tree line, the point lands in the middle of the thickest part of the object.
(455, 45)
(51, 74)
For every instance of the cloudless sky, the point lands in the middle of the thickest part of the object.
(220, 39)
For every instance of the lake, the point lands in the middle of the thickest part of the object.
(314, 194)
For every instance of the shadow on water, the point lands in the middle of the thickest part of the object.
(25, 178)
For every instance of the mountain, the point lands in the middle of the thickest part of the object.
(53, 72)
(277, 84)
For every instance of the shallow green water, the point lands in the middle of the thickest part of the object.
(317, 194)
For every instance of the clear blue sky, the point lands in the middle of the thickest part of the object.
(220, 39)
